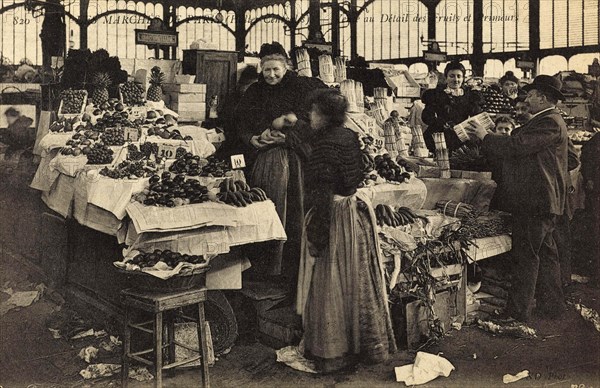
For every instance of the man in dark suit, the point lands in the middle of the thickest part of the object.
(534, 168)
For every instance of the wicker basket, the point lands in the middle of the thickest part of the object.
(181, 282)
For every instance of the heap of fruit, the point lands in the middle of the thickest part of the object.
(165, 190)
(101, 82)
(63, 124)
(133, 93)
(134, 153)
(369, 176)
(238, 193)
(144, 259)
(113, 136)
(99, 153)
(186, 163)
(79, 143)
(215, 168)
(112, 104)
(157, 77)
(166, 134)
(402, 216)
(495, 102)
(404, 164)
(72, 101)
(111, 119)
(390, 170)
(129, 170)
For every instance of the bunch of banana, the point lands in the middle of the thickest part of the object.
(387, 216)
(239, 193)
(406, 215)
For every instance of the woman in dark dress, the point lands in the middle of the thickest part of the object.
(277, 93)
(341, 289)
(448, 105)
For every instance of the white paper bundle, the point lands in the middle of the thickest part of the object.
(360, 96)
(441, 151)
(326, 69)
(401, 146)
(380, 93)
(418, 142)
(482, 119)
(339, 70)
(303, 60)
(389, 133)
(347, 88)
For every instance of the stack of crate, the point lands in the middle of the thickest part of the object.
(188, 100)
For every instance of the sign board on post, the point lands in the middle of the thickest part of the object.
(434, 56)
(156, 38)
(525, 65)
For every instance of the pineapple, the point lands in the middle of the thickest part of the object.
(157, 77)
(101, 81)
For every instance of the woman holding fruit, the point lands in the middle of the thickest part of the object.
(261, 117)
(448, 105)
(341, 288)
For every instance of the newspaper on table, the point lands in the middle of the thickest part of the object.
(483, 119)
(110, 194)
(53, 140)
(155, 218)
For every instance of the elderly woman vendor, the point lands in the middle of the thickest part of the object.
(261, 116)
(341, 288)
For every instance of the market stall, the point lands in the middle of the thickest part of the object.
(125, 169)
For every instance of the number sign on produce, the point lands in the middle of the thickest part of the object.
(169, 151)
(238, 161)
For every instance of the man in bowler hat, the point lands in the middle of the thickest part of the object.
(534, 167)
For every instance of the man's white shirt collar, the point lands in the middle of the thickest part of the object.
(542, 111)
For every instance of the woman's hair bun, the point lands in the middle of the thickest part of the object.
(274, 48)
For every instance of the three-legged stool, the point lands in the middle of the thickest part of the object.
(157, 303)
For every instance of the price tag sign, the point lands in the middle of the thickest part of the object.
(238, 161)
(131, 134)
(167, 151)
(370, 122)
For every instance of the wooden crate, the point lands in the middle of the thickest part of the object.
(280, 327)
(191, 116)
(188, 106)
(184, 88)
(183, 98)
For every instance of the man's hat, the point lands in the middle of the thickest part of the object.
(546, 83)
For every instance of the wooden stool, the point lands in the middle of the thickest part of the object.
(157, 303)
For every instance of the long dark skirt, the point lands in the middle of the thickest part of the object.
(277, 171)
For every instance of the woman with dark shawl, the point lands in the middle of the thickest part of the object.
(448, 105)
(341, 289)
(275, 169)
